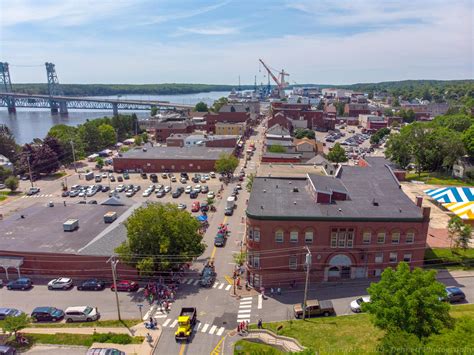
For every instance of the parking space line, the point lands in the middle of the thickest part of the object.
(190, 281)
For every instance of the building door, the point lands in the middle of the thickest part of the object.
(334, 272)
(339, 267)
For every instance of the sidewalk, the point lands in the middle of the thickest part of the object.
(144, 348)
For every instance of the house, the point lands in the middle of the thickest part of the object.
(230, 128)
(278, 132)
(463, 167)
(355, 224)
(229, 117)
(5, 162)
(308, 148)
(280, 119)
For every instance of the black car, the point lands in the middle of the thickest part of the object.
(23, 283)
(154, 178)
(105, 188)
(91, 285)
(161, 193)
(219, 240)
(47, 314)
(184, 175)
(92, 202)
(229, 211)
(180, 189)
(454, 294)
(204, 207)
(194, 194)
(144, 176)
(120, 179)
(195, 179)
(176, 194)
(126, 176)
(112, 178)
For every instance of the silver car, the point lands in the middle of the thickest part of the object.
(81, 314)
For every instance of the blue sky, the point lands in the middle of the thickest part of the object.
(215, 41)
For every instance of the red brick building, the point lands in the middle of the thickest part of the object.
(230, 117)
(354, 109)
(165, 129)
(315, 119)
(355, 225)
(281, 120)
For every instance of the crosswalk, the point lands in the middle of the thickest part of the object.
(36, 196)
(199, 327)
(245, 309)
(217, 285)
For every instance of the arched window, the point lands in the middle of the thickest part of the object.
(309, 236)
(366, 236)
(294, 236)
(381, 237)
(410, 238)
(279, 236)
(396, 236)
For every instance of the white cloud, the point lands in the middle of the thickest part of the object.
(209, 31)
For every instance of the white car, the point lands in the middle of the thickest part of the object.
(81, 314)
(104, 176)
(188, 189)
(173, 179)
(167, 189)
(356, 305)
(146, 193)
(212, 174)
(183, 180)
(211, 194)
(61, 283)
(197, 188)
(207, 177)
(181, 206)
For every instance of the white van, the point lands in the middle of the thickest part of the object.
(81, 314)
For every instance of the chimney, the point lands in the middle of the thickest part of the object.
(419, 201)
(426, 213)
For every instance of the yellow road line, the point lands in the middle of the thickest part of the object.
(215, 249)
(217, 350)
(182, 348)
(229, 279)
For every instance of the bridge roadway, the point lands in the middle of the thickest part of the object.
(62, 103)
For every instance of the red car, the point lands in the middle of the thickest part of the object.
(126, 286)
(196, 206)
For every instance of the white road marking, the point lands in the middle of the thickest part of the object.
(161, 315)
(228, 287)
(243, 320)
(245, 306)
(147, 314)
(197, 326)
(246, 302)
(260, 299)
(195, 282)
(174, 323)
(190, 281)
(246, 298)
(245, 310)
(215, 284)
(213, 329)
(220, 331)
(221, 286)
(243, 316)
(203, 330)
(184, 281)
(166, 322)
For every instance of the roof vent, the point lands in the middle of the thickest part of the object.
(295, 189)
(375, 202)
(261, 207)
(294, 202)
(339, 209)
(277, 186)
(289, 182)
(264, 191)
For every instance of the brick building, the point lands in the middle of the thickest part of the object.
(302, 116)
(165, 129)
(354, 109)
(355, 224)
(170, 159)
(229, 117)
(205, 140)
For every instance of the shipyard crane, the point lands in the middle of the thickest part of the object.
(281, 83)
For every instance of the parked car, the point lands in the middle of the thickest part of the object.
(23, 283)
(188, 189)
(112, 178)
(356, 305)
(167, 189)
(126, 176)
(211, 194)
(7, 350)
(61, 283)
(47, 314)
(219, 240)
(91, 285)
(181, 206)
(126, 286)
(33, 190)
(160, 193)
(146, 193)
(81, 314)
(105, 188)
(119, 179)
(176, 194)
(104, 351)
(194, 194)
(204, 207)
(144, 176)
(454, 294)
(195, 207)
(65, 194)
(92, 202)
(130, 193)
(173, 179)
(314, 308)
(205, 189)
(9, 312)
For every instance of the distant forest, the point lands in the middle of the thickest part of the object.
(408, 89)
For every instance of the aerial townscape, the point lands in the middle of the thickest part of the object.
(271, 214)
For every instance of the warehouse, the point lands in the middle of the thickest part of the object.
(170, 159)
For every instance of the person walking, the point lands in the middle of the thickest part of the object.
(260, 324)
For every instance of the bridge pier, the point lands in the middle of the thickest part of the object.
(115, 109)
(63, 108)
(12, 109)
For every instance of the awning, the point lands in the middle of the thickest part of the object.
(465, 210)
(451, 194)
(14, 262)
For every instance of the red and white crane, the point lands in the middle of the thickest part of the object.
(281, 83)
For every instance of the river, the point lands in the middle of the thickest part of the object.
(29, 123)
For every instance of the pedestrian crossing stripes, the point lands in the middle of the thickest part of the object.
(208, 328)
(245, 309)
(36, 196)
(218, 285)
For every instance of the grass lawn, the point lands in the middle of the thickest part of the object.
(101, 323)
(245, 347)
(353, 334)
(81, 339)
(435, 178)
(5, 194)
(446, 258)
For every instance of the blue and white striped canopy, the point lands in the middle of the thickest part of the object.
(451, 194)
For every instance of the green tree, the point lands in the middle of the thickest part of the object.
(337, 154)
(459, 233)
(145, 137)
(138, 140)
(219, 103)
(90, 137)
(108, 137)
(409, 301)
(388, 112)
(398, 150)
(399, 342)
(99, 162)
(302, 133)
(8, 146)
(240, 258)
(371, 95)
(153, 111)
(201, 107)
(340, 108)
(12, 183)
(468, 140)
(164, 234)
(226, 164)
(65, 135)
(15, 324)
(276, 148)
(396, 102)
(250, 179)
(320, 105)
(4, 173)
(459, 338)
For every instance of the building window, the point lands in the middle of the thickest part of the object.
(377, 272)
(366, 237)
(381, 237)
(172, 167)
(341, 238)
(256, 261)
(395, 237)
(294, 236)
(407, 257)
(293, 263)
(379, 258)
(162, 167)
(256, 235)
(334, 238)
(250, 234)
(410, 238)
(350, 238)
(308, 237)
(279, 236)
(393, 257)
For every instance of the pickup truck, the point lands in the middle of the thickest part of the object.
(186, 322)
(314, 308)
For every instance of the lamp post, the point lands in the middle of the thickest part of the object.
(308, 265)
(113, 262)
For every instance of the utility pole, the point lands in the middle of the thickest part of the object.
(29, 168)
(73, 156)
(308, 265)
(113, 262)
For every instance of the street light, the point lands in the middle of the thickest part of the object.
(113, 262)
(308, 265)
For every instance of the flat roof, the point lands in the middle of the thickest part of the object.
(275, 198)
(176, 153)
(41, 229)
